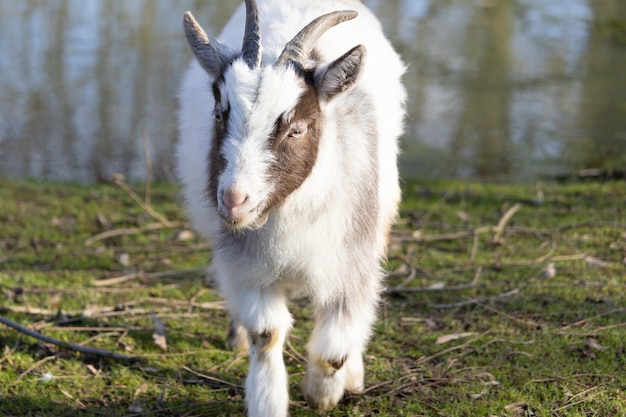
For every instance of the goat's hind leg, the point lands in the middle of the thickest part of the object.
(237, 338)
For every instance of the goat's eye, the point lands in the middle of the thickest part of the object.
(297, 130)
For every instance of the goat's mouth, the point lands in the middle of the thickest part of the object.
(252, 220)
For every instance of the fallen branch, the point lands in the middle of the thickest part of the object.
(78, 348)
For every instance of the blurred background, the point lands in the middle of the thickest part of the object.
(498, 89)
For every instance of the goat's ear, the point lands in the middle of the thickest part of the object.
(341, 74)
(213, 55)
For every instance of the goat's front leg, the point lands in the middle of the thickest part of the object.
(335, 362)
(263, 313)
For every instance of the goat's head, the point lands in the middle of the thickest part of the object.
(267, 118)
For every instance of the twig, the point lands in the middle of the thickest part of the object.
(9, 352)
(508, 316)
(475, 243)
(153, 276)
(434, 207)
(117, 330)
(417, 236)
(148, 161)
(595, 331)
(554, 410)
(504, 220)
(116, 280)
(36, 365)
(574, 257)
(210, 378)
(78, 348)
(133, 231)
(399, 289)
(477, 300)
(118, 180)
(477, 275)
(297, 355)
(584, 321)
(445, 351)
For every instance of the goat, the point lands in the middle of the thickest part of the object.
(288, 157)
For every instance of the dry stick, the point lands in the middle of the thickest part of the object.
(434, 207)
(445, 351)
(296, 354)
(563, 258)
(595, 331)
(418, 237)
(477, 300)
(498, 230)
(133, 231)
(117, 330)
(504, 220)
(581, 322)
(414, 266)
(554, 410)
(153, 276)
(36, 365)
(78, 348)
(116, 280)
(477, 274)
(475, 243)
(508, 316)
(397, 290)
(120, 183)
(210, 378)
(148, 160)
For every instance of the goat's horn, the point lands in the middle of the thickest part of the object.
(298, 49)
(251, 48)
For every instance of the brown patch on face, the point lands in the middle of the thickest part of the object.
(295, 143)
(217, 163)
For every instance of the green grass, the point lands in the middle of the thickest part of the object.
(529, 342)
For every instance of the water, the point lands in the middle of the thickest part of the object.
(514, 89)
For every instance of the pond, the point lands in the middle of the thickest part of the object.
(511, 89)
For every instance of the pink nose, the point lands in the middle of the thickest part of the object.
(232, 200)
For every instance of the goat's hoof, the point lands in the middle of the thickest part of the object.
(357, 389)
(322, 391)
(322, 404)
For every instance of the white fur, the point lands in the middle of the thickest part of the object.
(302, 249)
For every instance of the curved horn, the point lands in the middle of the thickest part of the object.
(212, 55)
(251, 48)
(298, 49)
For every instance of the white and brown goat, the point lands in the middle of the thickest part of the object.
(288, 156)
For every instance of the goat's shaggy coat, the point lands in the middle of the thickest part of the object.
(288, 159)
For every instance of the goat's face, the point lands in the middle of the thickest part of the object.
(267, 129)
(267, 118)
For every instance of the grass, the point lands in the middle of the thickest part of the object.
(529, 319)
